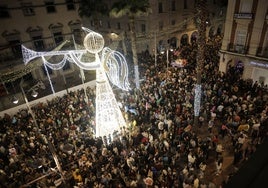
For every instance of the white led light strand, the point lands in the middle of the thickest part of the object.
(108, 115)
(116, 68)
(50, 82)
(57, 66)
(111, 64)
(86, 66)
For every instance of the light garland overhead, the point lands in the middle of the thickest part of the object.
(57, 66)
(18, 73)
(111, 64)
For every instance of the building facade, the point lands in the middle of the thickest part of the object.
(39, 25)
(170, 24)
(43, 25)
(245, 42)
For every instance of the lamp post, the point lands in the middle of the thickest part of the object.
(167, 53)
(50, 146)
(167, 58)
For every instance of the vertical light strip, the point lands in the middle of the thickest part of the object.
(51, 86)
(197, 99)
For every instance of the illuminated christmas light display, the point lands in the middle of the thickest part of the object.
(197, 99)
(109, 65)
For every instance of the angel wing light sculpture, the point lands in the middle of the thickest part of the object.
(109, 64)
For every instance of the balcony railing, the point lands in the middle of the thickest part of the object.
(262, 52)
(237, 48)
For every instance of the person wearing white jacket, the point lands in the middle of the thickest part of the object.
(191, 160)
(219, 166)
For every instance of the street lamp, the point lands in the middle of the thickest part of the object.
(168, 49)
(50, 146)
(34, 93)
(167, 58)
(15, 100)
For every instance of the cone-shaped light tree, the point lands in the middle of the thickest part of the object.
(200, 59)
(131, 9)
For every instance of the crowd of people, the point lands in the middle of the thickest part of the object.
(161, 147)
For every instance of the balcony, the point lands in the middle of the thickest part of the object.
(241, 50)
(9, 54)
(237, 48)
(262, 52)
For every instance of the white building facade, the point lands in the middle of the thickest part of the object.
(245, 42)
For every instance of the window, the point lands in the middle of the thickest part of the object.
(246, 6)
(241, 37)
(50, 6)
(70, 4)
(36, 34)
(161, 25)
(4, 13)
(118, 25)
(38, 43)
(77, 36)
(173, 5)
(58, 37)
(160, 7)
(27, 9)
(15, 47)
(185, 6)
(143, 28)
(56, 30)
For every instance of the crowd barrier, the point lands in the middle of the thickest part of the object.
(16, 109)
